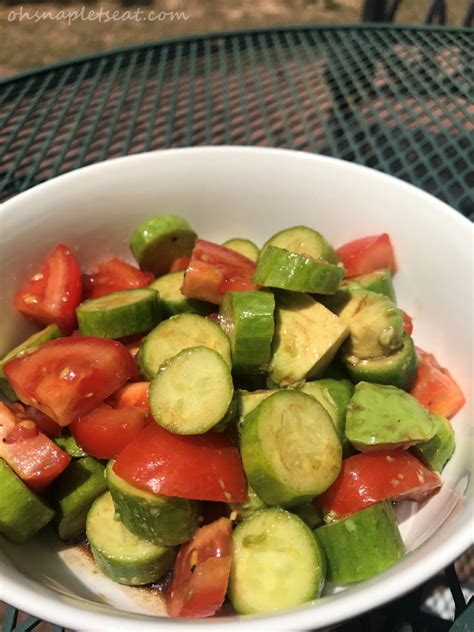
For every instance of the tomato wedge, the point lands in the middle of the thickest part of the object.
(112, 276)
(31, 454)
(104, 432)
(53, 293)
(367, 254)
(407, 323)
(435, 388)
(133, 394)
(201, 572)
(69, 377)
(181, 263)
(44, 423)
(369, 478)
(214, 270)
(200, 467)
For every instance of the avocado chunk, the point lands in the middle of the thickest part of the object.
(379, 281)
(375, 324)
(440, 448)
(307, 337)
(385, 417)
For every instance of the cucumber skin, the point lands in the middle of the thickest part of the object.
(243, 246)
(440, 448)
(180, 304)
(22, 512)
(379, 281)
(69, 445)
(286, 270)
(355, 552)
(161, 520)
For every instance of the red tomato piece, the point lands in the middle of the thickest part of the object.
(200, 467)
(104, 432)
(201, 572)
(407, 323)
(44, 423)
(435, 388)
(69, 377)
(114, 275)
(133, 394)
(53, 293)
(31, 454)
(214, 270)
(367, 254)
(369, 478)
(181, 263)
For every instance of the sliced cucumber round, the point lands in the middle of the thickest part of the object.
(120, 554)
(247, 318)
(379, 281)
(177, 333)
(277, 563)
(362, 545)
(290, 449)
(192, 392)
(244, 247)
(248, 401)
(119, 314)
(173, 301)
(286, 270)
(242, 511)
(159, 519)
(304, 241)
(158, 241)
(398, 369)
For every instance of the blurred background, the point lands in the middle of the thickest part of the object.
(36, 33)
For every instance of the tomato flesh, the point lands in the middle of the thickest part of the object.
(367, 254)
(114, 275)
(369, 478)
(214, 270)
(199, 467)
(179, 264)
(435, 388)
(201, 572)
(133, 394)
(407, 323)
(53, 293)
(67, 378)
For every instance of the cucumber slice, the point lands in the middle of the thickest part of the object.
(244, 247)
(307, 337)
(290, 449)
(247, 318)
(158, 241)
(379, 281)
(22, 512)
(440, 448)
(248, 401)
(159, 519)
(177, 333)
(118, 553)
(173, 301)
(304, 241)
(277, 563)
(286, 270)
(73, 494)
(399, 368)
(242, 511)
(69, 445)
(119, 314)
(362, 545)
(192, 392)
(51, 332)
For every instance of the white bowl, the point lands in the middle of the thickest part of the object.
(237, 191)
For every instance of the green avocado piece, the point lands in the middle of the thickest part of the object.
(22, 512)
(73, 494)
(375, 324)
(69, 445)
(384, 417)
(378, 281)
(440, 448)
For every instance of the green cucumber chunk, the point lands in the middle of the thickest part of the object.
(398, 368)
(248, 401)
(304, 241)
(290, 449)
(69, 445)
(277, 563)
(440, 448)
(362, 545)
(383, 417)
(247, 319)
(378, 281)
(192, 392)
(158, 241)
(119, 314)
(307, 337)
(242, 511)
(279, 268)
(244, 247)
(73, 494)
(51, 332)
(22, 512)
(176, 334)
(163, 520)
(120, 554)
(173, 301)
